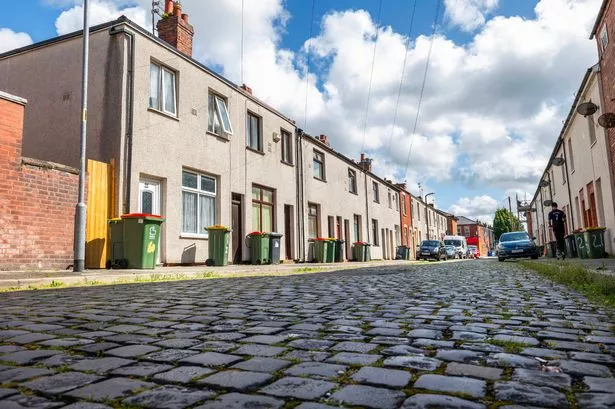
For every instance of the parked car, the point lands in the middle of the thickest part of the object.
(451, 251)
(473, 252)
(432, 250)
(516, 244)
(460, 244)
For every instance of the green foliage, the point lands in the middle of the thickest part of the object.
(504, 221)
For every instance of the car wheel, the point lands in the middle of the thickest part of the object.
(535, 257)
(501, 259)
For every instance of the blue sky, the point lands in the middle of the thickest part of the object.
(481, 135)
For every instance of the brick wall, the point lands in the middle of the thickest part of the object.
(607, 69)
(176, 31)
(37, 201)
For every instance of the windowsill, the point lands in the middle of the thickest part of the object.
(322, 180)
(287, 163)
(193, 236)
(354, 193)
(165, 114)
(221, 137)
(375, 201)
(255, 151)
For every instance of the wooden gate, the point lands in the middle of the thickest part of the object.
(99, 209)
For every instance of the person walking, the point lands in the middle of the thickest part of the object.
(557, 224)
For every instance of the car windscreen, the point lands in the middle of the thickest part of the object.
(456, 243)
(514, 237)
(430, 243)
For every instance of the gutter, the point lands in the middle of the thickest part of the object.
(598, 19)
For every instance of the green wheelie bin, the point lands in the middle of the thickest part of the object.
(339, 251)
(359, 251)
(594, 242)
(218, 237)
(331, 249)
(321, 247)
(141, 236)
(259, 247)
(581, 245)
(116, 244)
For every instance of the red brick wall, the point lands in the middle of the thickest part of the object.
(36, 203)
(607, 69)
(406, 220)
(175, 31)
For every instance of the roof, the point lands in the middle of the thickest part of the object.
(13, 98)
(123, 20)
(599, 19)
(464, 220)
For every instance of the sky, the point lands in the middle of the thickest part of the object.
(497, 78)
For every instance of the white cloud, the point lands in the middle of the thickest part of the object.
(10, 40)
(468, 14)
(476, 208)
(100, 11)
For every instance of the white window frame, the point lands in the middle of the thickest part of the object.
(604, 37)
(199, 191)
(352, 181)
(161, 89)
(220, 110)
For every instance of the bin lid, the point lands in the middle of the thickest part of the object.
(275, 235)
(218, 227)
(146, 216)
(114, 220)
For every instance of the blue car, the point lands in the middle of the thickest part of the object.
(517, 244)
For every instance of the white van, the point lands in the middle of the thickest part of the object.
(461, 247)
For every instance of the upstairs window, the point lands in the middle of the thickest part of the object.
(162, 95)
(318, 165)
(390, 200)
(254, 138)
(352, 181)
(219, 120)
(287, 147)
(604, 37)
(592, 129)
(376, 192)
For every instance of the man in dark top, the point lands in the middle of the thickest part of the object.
(557, 223)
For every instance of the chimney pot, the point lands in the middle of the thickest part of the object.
(175, 28)
(362, 157)
(185, 18)
(246, 89)
(177, 11)
(168, 7)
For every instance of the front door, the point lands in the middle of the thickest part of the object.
(237, 230)
(149, 202)
(288, 224)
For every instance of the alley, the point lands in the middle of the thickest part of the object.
(471, 334)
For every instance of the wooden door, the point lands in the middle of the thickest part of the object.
(99, 211)
(237, 233)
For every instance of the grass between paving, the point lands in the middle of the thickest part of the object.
(598, 287)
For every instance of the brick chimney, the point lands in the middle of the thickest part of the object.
(246, 89)
(365, 163)
(175, 29)
(324, 139)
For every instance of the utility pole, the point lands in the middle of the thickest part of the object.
(80, 210)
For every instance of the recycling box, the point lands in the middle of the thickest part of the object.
(218, 237)
(141, 235)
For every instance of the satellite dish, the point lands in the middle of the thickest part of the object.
(558, 161)
(607, 120)
(587, 108)
(544, 183)
(547, 202)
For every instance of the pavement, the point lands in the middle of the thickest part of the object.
(601, 265)
(472, 334)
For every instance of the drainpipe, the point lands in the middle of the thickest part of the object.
(366, 203)
(300, 195)
(127, 176)
(568, 183)
(542, 210)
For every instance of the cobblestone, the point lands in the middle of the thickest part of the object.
(473, 334)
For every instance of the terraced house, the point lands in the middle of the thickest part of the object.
(169, 136)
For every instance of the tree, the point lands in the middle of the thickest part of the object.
(504, 221)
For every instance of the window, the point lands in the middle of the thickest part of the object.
(219, 120)
(570, 155)
(604, 37)
(162, 89)
(466, 231)
(198, 203)
(403, 198)
(592, 129)
(262, 209)
(318, 165)
(563, 175)
(418, 208)
(376, 192)
(552, 180)
(390, 200)
(253, 132)
(356, 228)
(287, 147)
(352, 181)
(375, 232)
(313, 221)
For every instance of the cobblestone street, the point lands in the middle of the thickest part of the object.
(472, 334)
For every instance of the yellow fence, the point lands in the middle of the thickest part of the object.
(99, 210)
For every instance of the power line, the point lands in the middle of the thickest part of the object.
(371, 76)
(307, 68)
(418, 109)
(401, 79)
